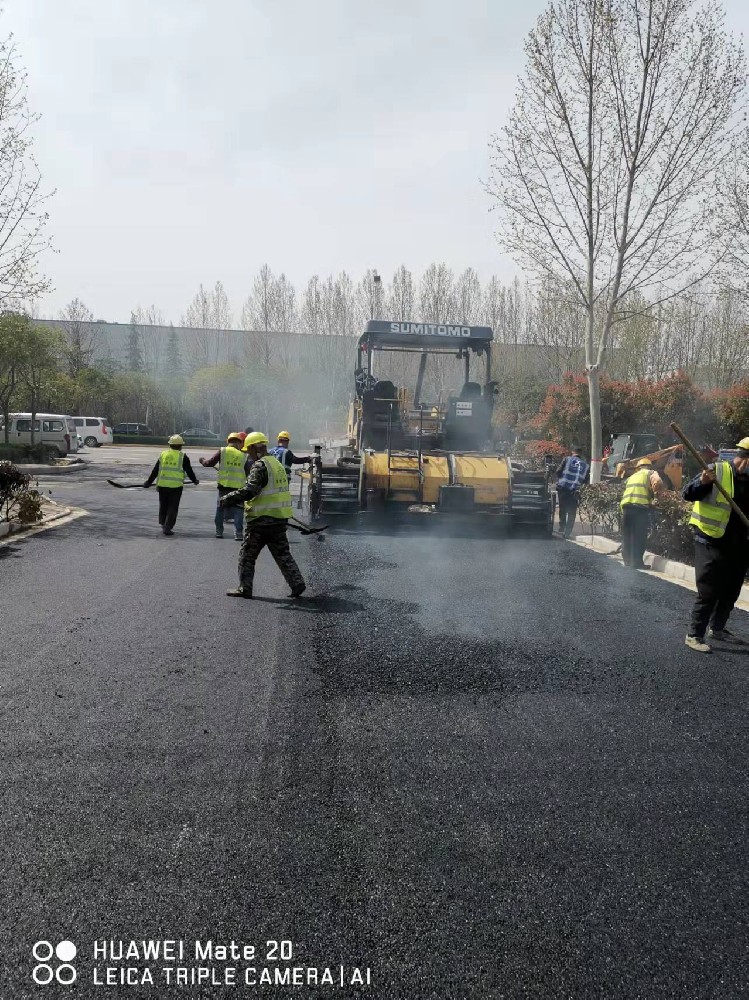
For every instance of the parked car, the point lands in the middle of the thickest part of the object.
(95, 431)
(199, 433)
(142, 430)
(55, 429)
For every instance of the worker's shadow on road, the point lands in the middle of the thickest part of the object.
(11, 551)
(316, 604)
(731, 650)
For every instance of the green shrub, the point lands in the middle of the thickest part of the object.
(599, 506)
(670, 534)
(27, 454)
(17, 498)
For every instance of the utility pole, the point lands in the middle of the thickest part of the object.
(376, 297)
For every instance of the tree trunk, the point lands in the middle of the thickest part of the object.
(596, 444)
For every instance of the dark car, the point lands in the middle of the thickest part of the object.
(199, 434)
(133, 430)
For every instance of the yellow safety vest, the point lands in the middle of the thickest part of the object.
(274, 500)
(170, 469)
(231, 468)
(711, 515)
(637, 490)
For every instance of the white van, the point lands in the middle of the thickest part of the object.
(93, 431)
(55, 429)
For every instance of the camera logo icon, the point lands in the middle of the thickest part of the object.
(44, 972)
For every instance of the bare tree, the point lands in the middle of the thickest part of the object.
(270, 308)
(556, 328)
(732, 213)
(22, 215)
(210, 315)
(81, 335)
(467, 308)
(146, 342)
(400, 297)
(312, 318)
(605, 170)
(436, 294)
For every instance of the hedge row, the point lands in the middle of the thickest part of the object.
(25, 454)
(670, 534)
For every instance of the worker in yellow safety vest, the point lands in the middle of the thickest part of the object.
(169, 475)
(639, 490)
(721, 547)
(268, 507)
(232, 464)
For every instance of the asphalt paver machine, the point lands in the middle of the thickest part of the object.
(407, 456)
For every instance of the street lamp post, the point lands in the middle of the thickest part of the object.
(376, 297)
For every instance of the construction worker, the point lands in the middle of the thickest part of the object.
(231, 462)
(267, 510)
(639, 490)
(169, 475)
(721, 547)
(286, 456)
(572, 473)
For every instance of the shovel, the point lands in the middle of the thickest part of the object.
(306, 529)
(134, 486)
(126, 486)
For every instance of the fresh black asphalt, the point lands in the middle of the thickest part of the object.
(483, 768)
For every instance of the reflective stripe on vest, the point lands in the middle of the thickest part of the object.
(274, 500)
(711, 515)
(170, 469)
(573, 475)
(231, 468)
(281, 454)
(637, 491)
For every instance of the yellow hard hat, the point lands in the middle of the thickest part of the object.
(283, 434)
(744, 443)
(235, 436)
(176, 439)
(257, 437)
(643, 462)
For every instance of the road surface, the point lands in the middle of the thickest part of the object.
(476, 768)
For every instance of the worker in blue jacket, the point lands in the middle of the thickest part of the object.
(286, 456)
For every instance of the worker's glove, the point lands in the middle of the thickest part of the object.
(202, 461)
(707, 476)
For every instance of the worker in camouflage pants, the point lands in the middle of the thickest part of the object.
(268, 507)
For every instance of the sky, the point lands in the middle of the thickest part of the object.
(190, 141)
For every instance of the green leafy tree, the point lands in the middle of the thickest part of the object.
(40, 366)
(15, 345)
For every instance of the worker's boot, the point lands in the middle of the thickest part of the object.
(697, 644)
(240, 592)
(298, 591)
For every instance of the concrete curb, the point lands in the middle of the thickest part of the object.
(13, 528)
(52, 470)
(679, 573)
